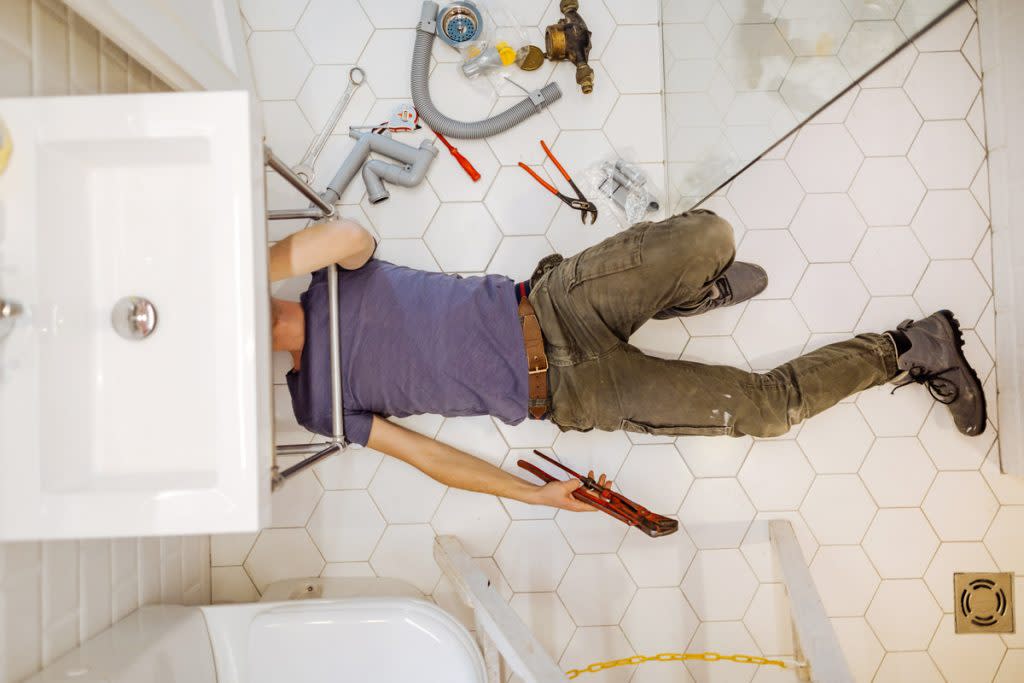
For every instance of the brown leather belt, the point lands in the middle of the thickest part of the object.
(536, 360)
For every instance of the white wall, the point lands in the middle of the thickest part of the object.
(55, 595)
(1001, 23)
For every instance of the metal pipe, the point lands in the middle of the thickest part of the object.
(300, 448)
(337, 418)
(286, 214)
(295, 181)
(280, 477)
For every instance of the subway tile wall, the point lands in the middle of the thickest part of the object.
(56, 595)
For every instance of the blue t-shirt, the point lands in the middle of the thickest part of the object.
(411, 342)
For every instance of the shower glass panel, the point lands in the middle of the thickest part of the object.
(741, 74)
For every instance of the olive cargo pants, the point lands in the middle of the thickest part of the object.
(590, 304)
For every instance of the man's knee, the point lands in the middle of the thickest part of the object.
(702, 235)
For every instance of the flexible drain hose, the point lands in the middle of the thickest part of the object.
(465, 130)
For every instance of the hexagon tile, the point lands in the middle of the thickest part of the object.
(874, 212)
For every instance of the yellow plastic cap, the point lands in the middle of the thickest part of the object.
(506, 53)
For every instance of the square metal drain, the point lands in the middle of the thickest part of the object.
(984, 602)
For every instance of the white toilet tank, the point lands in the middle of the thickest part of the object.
(384, 640)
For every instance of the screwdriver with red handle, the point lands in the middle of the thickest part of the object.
(463, 161)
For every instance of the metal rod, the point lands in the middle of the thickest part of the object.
(337, 419)
(311, 460)
(295, 181)
(300, 448)
(286, 214)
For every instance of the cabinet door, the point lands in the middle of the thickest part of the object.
(190, 44)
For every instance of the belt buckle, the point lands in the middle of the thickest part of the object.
(534, 371)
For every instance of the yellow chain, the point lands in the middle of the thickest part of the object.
(675, 657)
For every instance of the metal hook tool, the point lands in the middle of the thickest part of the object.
(304, 169)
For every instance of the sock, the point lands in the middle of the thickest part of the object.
(900, 341)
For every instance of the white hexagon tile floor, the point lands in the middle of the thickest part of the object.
(876, 211)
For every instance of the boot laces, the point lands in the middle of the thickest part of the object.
(942, 389)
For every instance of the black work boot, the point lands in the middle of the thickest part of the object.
(739, 282)
(935, 358)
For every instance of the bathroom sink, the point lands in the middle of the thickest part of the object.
(108, 433)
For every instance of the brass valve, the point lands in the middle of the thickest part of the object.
(569, 40)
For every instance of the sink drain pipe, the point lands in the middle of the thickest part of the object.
(465, 130)
(416, 161)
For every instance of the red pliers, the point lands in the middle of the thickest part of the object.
(586, 208)
(608, 501)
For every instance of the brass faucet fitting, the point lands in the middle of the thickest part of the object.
(569, 40)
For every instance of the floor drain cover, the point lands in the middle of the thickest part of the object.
(984, 602)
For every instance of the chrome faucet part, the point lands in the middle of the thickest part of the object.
(9, 310)
(134, 318)
(304, 169)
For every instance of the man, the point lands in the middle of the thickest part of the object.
(417, 342)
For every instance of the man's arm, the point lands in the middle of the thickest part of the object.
(453, 467)
(340, 241)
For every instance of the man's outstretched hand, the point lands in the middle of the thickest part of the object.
(558, 494)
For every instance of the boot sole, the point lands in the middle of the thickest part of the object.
(958, 338)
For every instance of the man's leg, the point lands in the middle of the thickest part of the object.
(602, 295)
(629, 390)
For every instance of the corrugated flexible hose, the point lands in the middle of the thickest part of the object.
(465, 130)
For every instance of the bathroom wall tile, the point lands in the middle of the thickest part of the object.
(477, 520)
(830, 297)
(348, 569)
(963, 658)
(776, 475)
(658, 620)
(462, 237)
(293, 503)
(833, 141)
(591, 575)
(150, 562)
(730, 636)
(386, 58)
(656, 562)
(949, 559)
(757, 548)
(345, 526)
(477, 436)
(95, 578)
(584, 111)
(405, 552)
(524, 543)
(630, 54)
(898, 472)
(230, 549)
(950, 224)
(946, 154)
(899, 414)
(884, 122)
(716, 513)
(902, 666)
(232, 584)
(633, 127)
(280, 64)
(859, 645)
(767, 196)
(942, 85)
(769, 620)
(838, 509)
(836, 441)
(960, 506)
(272, 15)
(349, 32)
(21, 616)
(591, 643)
(588, 533)
(282, 554)
(900, 543)
(547, 619)
(867, 43)
(887, 191)
(50, 50)
(827, 227)
(770, 333)
(903, 615)
(890, 261)
(845, 579)
(719, 584)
